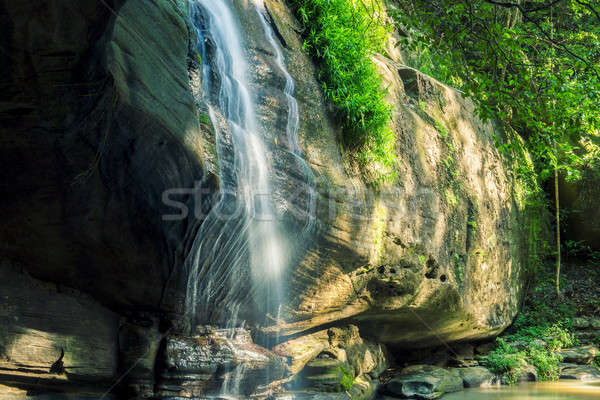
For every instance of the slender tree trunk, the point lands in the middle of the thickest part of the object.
(556, 204)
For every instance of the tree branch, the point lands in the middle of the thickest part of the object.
(520, 7)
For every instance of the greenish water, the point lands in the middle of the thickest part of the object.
(576, 390)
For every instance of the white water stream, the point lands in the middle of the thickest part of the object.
(242, 231)
(242, 248)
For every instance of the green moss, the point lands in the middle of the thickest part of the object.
(443, 131)
(347, 377)
(450, 197)
(459, 265)
(203, 118)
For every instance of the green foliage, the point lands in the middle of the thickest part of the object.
(505, 360)
(204, 119)
(442, 130)
(545, 361)
(347, 379)
(533, 66)
(540, 330)
(342, 35)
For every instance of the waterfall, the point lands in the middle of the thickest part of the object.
(241, 238)
(242, 249)
(293, 125)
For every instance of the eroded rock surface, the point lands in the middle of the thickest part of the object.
(437, 255)
(99, 122)
(54, 337)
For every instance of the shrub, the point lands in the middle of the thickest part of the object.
(505, 360)
(341, 35)
(541, 329)
(545, 361)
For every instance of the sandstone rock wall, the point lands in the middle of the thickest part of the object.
(437, 255)
(99, 120)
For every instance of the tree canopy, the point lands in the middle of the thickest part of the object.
(532, 64)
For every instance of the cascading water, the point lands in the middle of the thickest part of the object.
(293, 124)
(241, 250)
(241, 235)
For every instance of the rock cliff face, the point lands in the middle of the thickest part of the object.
(99, 122)
(438, 255)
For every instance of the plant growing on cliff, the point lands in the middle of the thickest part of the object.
(347, 380)
(342, 35)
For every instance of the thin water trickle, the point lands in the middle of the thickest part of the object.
(293, 122)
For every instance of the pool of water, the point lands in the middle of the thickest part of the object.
(533, 390)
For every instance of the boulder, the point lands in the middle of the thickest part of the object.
(91, 144)
(336, 359)
(579, 372)
(579, 355)
(424, 382)
(527, 373)
(474, 377)
(215, 361)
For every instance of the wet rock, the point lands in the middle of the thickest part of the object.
(476, 377)
(344, 360)
(90, 146)
(527, 373)
(424, 382)
(302, 349)
(579, 372)
(139, 341)
(364, 387)
(389, 260)
(579, 355)
(218, 360)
